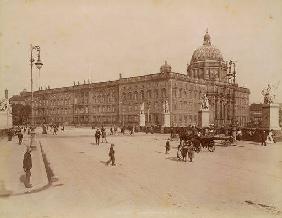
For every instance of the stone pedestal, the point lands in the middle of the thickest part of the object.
(270, 116)
(142, 120)
(203, 118)
(166, 120)
(5, 120)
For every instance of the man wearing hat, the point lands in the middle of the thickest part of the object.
(112, 155)
(27, 165)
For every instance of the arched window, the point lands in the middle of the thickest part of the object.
(135, 95)
(149, 93)
(163, 92)
(123, 96)
(156, 93)
(142, 95)
(129, 95)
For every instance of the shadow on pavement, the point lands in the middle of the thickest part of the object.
(34, 191)
(173, 159)
(22, 178)
(103, 162)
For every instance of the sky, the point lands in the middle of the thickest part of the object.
(98, 40)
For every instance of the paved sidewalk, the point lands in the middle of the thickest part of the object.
(12, 175)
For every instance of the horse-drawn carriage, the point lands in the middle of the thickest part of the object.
(198, 142)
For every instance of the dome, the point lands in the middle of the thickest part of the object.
(165, 68)
(207, 51)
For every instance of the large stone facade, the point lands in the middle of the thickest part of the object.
(118, 102)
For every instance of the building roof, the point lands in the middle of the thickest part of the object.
(206, 52)
(16, 98)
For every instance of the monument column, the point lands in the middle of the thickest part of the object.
(270, 110)
(204, 113)
(142, 119)
(270, 116)
(166, 115)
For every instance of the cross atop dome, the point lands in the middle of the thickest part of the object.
(207, 38)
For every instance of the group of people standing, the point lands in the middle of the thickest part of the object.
(183, 149)
(98, 135)
(267, 137)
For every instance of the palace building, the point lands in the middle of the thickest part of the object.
(118, 102)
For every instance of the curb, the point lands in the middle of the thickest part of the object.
(39, 187)
(49, 172)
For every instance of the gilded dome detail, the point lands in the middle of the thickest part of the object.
(206, 52)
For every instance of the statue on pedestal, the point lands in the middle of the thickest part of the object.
(4, 104)
(268, 95)
(205, 102)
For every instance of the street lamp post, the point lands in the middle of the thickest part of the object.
(38, 64)
(232, 75)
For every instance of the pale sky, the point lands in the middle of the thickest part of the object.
(97, 40)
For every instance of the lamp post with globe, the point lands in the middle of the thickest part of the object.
(38, 65)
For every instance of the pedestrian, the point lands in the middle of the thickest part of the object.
(104, 136)
(97, 136)
(184, 151)
(131, 130)
(178, 154)
(263, 138)
(27, 165)
(270, 138)
(20, 137)
(167, 146)
(111, 155)
(111, 130)
(190, 152)
(10, 134)
(115, 130)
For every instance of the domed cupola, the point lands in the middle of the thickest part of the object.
(207, 62)
(165, 68)
(207, 51)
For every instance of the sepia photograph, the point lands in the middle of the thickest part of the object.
(140, 109)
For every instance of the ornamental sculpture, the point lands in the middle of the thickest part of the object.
(205, 102)
(268, 95)
(4, 105)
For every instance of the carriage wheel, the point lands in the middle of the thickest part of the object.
(211, 147)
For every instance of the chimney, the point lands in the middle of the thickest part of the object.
(6, 93)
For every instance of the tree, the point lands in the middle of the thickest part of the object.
(20, 113)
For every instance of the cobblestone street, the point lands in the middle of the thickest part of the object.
(236, 181)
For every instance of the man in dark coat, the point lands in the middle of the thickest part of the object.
(111, 155)
(20, 137)
(27, 165)
(97, 136)
(263, 138)
(167, 146)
